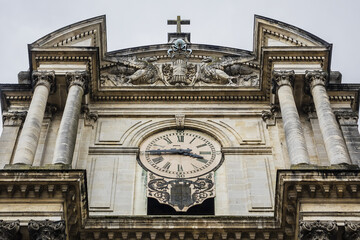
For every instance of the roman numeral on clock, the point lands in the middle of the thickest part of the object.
(203, 160)
(167, 139)
(195, 167)
(180, 138)
(202, 145)
(180, 168)
(192, 140)
(158, 160)
(205, 152)
(166, 166)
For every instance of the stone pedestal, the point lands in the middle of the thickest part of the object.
(333, 139)
(65, 141)
(43, 82)
(292, 126)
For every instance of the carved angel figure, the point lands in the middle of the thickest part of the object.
(146, 72)
(213, 70)
(131, 71)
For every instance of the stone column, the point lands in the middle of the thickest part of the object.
(294, 134)
(334, 142)
(65, 141)
(43, 82)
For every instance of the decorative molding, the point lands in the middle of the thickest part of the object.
(90, 117)
(269, 117)
(14, 118)
(284, 37)
(80, 79)
(50, 230)
(10, 230)
(193, 190)
(296, 58)
(351, 231)
(77, 37)
(180, 98)
(180, 121)
(346, 118)
(46, 78)
(317, 230)
(63, 58)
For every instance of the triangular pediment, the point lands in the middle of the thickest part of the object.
(87, 33)
(272, 33)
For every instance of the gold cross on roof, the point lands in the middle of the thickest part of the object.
(178, 22)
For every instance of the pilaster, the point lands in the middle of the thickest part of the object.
(12, 122)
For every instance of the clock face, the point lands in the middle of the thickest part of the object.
(180, 153)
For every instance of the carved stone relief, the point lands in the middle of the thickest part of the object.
(10, 230)
(50, 230)
(317, 230)
(179, 193)
(180, 71)
(352, 231)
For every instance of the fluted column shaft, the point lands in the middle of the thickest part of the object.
(66, 138)
(294, 134)
(29, 137)
(334, 142)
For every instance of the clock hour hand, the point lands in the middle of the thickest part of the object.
(193, 155)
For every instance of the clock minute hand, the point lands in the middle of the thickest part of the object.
(192, 155)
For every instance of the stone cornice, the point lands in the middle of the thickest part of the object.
(291, 187)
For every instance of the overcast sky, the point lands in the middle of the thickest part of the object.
(135, 23)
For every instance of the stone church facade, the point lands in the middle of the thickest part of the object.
(180, 140)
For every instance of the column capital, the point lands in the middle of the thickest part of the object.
(79, 79)
(47, 229)
(284, 78)
(10, 230)
(314, 78)
(46, 78)
(317, 230)
(14, 118)
(352, 230)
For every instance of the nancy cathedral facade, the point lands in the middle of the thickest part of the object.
(180, 141)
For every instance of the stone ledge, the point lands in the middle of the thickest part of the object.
(46, 167)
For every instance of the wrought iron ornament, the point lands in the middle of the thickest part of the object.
(181, 194)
